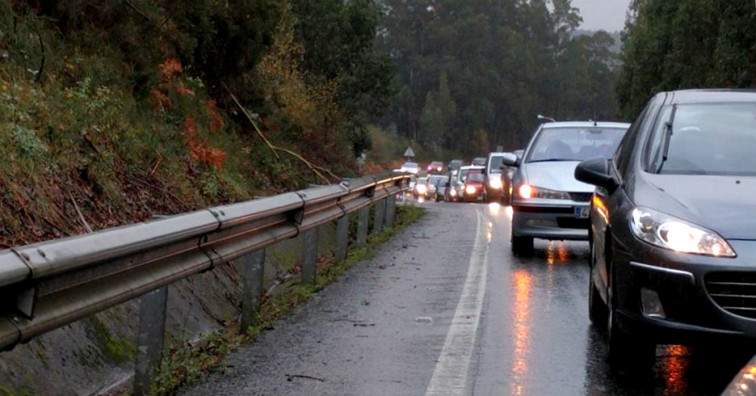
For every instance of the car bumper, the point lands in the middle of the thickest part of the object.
(704, 298)
(550, 221)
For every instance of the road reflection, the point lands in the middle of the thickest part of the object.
(557, 253)
(522, 285)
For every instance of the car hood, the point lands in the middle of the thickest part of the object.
(723, 204)
(557, 175)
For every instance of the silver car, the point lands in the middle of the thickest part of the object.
(547, 201)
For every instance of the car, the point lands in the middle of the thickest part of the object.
(478, 161)
(497, 187)
(436, 185)
(473, 189)
(673, 226)
(450, 192)
(410, 167)
(421, 188)
(436, 167)
(547, 201)
(459, 185)
(455, 164)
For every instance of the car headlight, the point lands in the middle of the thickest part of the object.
(527, 191)
(671, 233)
(421, 189)
(453, 192)
(495, 183)
(470, 189)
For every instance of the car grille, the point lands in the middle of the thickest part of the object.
(581, 197)
(735, 292)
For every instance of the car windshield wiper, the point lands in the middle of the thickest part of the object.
(667, 137)
(552, 160)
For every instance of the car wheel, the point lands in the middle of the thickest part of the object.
(597, 309)
(521, 245)
(625, 349)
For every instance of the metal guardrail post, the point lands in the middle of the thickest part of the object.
(380, 215)
(390, 210)
(253, 273)
(362, 225)
(342, 238)
(150, 338)
(310, 255)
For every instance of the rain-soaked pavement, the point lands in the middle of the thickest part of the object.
(445, 309)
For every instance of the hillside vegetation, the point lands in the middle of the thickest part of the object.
(113, 112)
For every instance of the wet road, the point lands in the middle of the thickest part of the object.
(445, 309)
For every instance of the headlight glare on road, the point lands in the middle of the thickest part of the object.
(674, 234)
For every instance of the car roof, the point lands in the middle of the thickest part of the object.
(472, 167)
(709, 96)
(585, 124)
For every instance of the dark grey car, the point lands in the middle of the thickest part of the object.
(673, 225)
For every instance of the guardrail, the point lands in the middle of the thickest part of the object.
(46, 285)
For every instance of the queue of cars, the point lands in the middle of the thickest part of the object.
(667, 205)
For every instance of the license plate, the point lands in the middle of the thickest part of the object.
(582, 212)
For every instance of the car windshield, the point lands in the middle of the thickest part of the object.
(705, 139)
(475, 177)
(575, 144)
(495, 165)
(436, 180)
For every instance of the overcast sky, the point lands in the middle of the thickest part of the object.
(608, 15)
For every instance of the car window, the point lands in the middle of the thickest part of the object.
(575, 144)
(705, 139)
(495, 164)
(625, 149)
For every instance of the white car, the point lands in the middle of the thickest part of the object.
(410, 167)
(547, 201)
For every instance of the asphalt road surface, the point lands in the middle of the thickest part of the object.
(445, 309)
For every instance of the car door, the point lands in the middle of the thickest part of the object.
(606, 203)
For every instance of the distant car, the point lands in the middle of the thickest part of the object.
(436, 167)
(421, 189)
(496, 186)
(450, 192)
(455, 164)
(459, 185)
(473, 189)
(548, 202)
(410, 167)
(673, 226)
(436, 184)
(479, 161)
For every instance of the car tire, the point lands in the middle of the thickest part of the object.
(521, 245)
(597, 309)
(623, 348)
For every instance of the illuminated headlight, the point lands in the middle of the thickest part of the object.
(470, 189)
(440, 169)
(453, 192)
(421, 189)
(494, 183)
(527, 192)
(671, 233)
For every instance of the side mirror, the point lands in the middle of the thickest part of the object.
(597, 172)
(509, 159)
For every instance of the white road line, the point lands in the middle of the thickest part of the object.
(450, 374)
